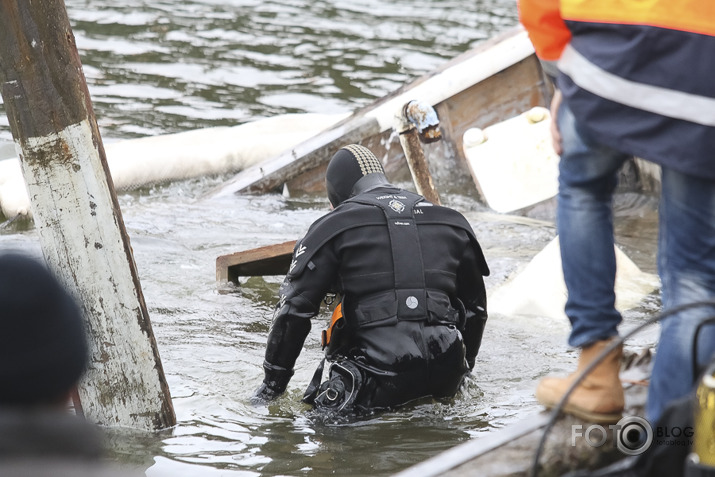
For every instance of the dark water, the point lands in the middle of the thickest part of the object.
(169, 66)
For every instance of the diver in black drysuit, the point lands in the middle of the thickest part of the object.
(409, 275)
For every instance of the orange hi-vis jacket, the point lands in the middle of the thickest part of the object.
(639, 75)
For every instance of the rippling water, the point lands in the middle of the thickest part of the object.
(169, 66)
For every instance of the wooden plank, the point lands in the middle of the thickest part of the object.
(77, 214)
(268, 260)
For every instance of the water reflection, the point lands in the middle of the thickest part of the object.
(212, 343)
(168, 66)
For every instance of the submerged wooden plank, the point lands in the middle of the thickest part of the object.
(268, 260)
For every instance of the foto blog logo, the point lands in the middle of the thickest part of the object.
(633, 435)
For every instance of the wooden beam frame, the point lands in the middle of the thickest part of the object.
(268, 260)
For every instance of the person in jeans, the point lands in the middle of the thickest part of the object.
(632, 80)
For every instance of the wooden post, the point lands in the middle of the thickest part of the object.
(410, 141)
(76, 212)
(418, 165)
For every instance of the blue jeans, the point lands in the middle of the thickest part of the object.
(588, 174)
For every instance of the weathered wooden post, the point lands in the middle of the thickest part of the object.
(76, 212)
(418, 122)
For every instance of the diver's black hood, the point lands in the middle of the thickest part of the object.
(349, 165)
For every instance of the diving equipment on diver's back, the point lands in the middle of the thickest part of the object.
(382, 341)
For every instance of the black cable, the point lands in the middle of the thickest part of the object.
(613, 345)
(694, 358)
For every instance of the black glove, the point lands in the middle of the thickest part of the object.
(264, 394)
(473, 332)
(274, 383)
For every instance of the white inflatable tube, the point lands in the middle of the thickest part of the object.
(137, 162)
(539, 289)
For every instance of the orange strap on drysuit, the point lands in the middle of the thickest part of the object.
(335, 320)
(547, 30)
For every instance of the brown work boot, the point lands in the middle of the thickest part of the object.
(599, 396)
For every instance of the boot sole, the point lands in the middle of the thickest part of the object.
(595, 417)
(590, 416)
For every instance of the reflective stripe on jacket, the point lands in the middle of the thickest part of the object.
(650, 60)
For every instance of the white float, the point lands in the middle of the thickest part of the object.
(513, 162)
(539, 289)
(138, 162)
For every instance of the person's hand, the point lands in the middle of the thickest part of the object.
(555, 133)
(274, 384)
(264, 394)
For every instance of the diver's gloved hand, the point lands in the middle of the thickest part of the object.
(264, 394)
(473, 332)
(274, 384)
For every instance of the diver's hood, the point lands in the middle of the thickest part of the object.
(352, 170)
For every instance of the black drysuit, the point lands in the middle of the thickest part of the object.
(412, 293)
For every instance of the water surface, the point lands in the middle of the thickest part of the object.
(168, 66)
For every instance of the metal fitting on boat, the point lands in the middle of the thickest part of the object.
(423, 117)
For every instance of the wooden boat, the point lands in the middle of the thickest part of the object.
(489, 88)
(497, 80)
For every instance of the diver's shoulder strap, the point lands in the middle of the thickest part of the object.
(408, 266)
(428, 213)
(343, 218)
(424, 213)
